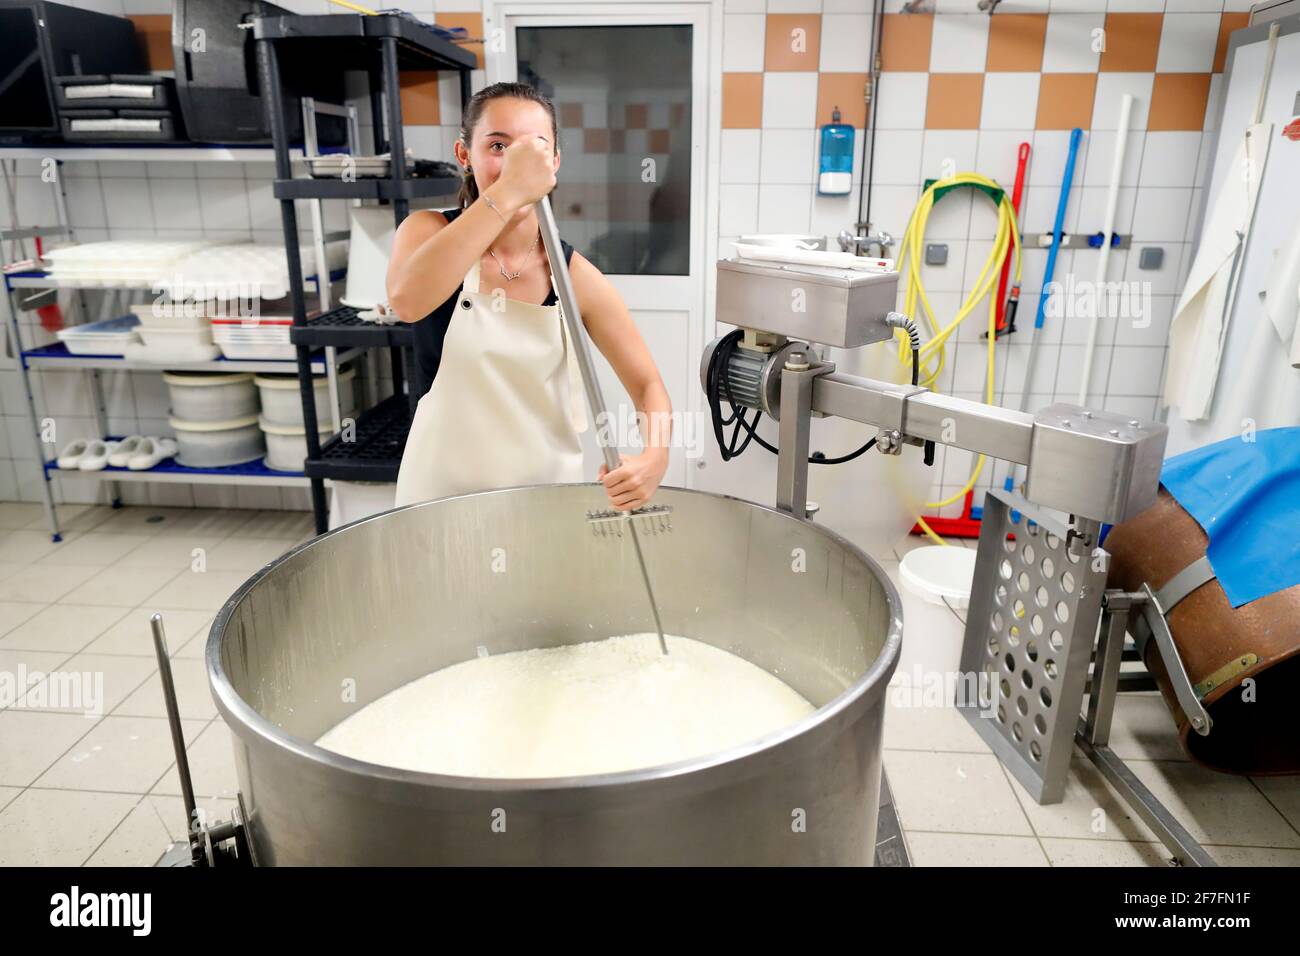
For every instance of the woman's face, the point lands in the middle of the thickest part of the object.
(503, 120)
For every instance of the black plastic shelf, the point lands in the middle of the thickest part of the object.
(342, 329)
(334, 39)
(375, 453)
(423, 188)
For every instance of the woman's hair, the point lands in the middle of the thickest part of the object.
(474, 110)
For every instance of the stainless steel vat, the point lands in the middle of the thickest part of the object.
(371, 606)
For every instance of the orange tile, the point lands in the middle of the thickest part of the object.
(420, 98)
(1065, 100)
(473, 22)
(570, 115)
(845, 91)
(1016, 42)
(1132, 42)
(1178, 101)
(793, 42)
(595, 140)
(742, 100)
(659, 141)
(954, 101)
(1227, 23)
(153, 34)
(905, 41)
(636, 116)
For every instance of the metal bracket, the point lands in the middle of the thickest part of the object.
(1185, 582)
(1153, 617)
(1082, 240)
(797, 379)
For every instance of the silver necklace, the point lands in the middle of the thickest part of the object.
(508, 276)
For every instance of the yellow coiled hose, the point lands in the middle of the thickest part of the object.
(933, 353)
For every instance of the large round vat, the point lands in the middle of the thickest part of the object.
(358, 612)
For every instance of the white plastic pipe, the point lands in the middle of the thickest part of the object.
(1101, 299)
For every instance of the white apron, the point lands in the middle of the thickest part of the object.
(505, 408)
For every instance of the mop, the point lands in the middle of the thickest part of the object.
(1067, 180)
(595, 400)
(1107, 233)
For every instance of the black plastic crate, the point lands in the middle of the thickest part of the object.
(375, 453)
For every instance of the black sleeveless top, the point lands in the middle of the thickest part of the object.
(431, 330)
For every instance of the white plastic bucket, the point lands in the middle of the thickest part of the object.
(218, 444)
(282, 399)
(286, 446)
(940, 574)
(211, 396)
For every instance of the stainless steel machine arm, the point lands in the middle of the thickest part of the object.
(1096, 466)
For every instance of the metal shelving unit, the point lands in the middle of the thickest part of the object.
(152, 153)
(381, 46)
(324, 360)
(249, 473)
(58, 357)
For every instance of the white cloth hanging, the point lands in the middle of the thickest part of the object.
(1201, 317)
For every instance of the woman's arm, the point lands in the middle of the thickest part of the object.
(431, 256)
(611, 327)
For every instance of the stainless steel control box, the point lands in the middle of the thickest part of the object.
(844, 308)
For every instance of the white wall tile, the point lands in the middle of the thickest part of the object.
(789, 100)
(1070, 43)
(740, 155)
(1187, 42)
(959, 43)
(890, 208)
(1192, 6)
(128, 205)
(1161, 215)
(902, 99)
(998, 151)
(1162, 281)
(85, 201)
(743, 42)
(1092, 215)
(948, 149)
(1169, 158)
(1136, 6)
(845, 43)
(1047, 162)
(784, 208)
(224, 204)
(1135, 370)
(1101, 158)
(1148, 323)
(738, 208)
(897, 157)
(788, 156)
(1010, 101)
(178, 203)
(1111, 88)
(950, 220)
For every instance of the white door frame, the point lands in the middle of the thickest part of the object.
(705, 17)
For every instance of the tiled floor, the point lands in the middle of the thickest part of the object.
(103, 791)
(959, 806)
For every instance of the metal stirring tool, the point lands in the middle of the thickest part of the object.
(595, 400)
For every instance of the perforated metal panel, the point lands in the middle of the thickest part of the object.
(1030, 631)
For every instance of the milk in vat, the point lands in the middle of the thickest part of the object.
(597, 707)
